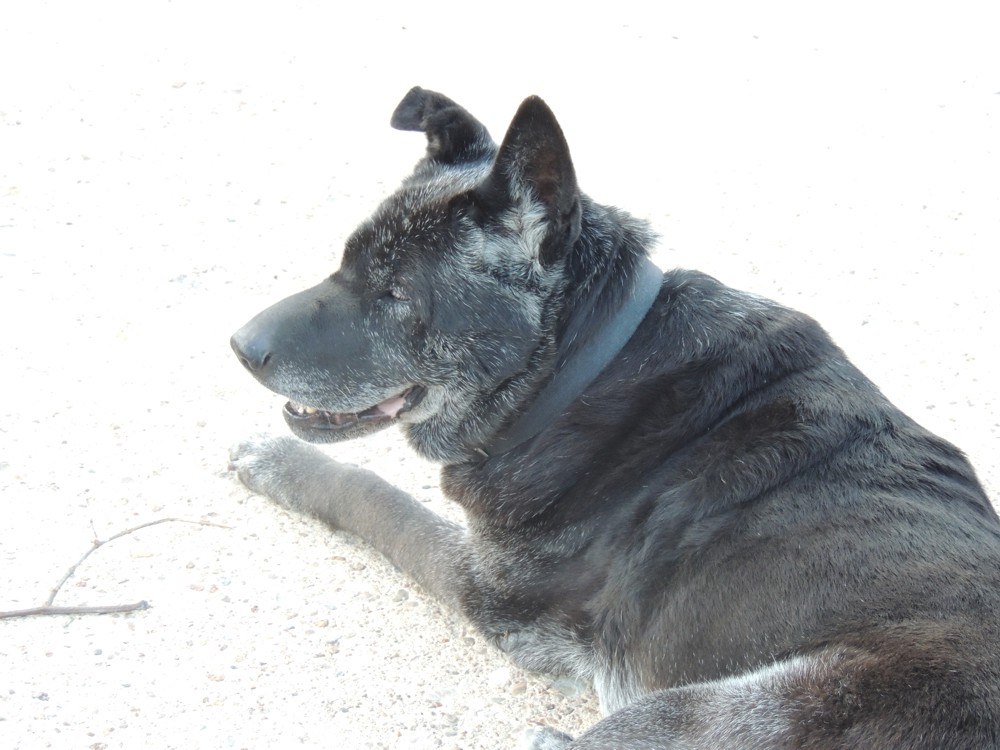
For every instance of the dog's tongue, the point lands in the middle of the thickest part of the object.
(391, 406)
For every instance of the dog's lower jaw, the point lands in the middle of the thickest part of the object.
(339, 434)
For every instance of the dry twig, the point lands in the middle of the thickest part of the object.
(50, 609)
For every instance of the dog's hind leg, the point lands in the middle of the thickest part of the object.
(832, 699)
(756, 711)
(687, 718)
(298, 476)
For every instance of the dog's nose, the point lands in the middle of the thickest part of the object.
(252, 351)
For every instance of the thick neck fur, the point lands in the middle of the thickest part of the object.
(599, 271)
(599, 274)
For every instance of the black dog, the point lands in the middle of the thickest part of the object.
(679, 491)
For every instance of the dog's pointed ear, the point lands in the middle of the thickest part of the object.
(534, 162)
(453, 135)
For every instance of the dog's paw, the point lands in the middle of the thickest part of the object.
(544, 738)
(268, 465)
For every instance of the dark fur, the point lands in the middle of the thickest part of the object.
(732, 533)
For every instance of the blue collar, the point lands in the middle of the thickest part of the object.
(581, 368)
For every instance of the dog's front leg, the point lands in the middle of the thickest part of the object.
(298, 476)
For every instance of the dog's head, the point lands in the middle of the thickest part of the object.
(443, 313)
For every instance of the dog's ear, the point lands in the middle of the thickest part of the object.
(534, 162)
(453, 135)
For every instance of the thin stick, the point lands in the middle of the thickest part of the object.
(97, 544)
(50, 609)
(53, 610)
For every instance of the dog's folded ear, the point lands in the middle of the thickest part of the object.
(453, 135)
(533, 163)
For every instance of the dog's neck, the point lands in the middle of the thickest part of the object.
(585, 353)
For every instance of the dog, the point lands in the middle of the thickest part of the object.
(682, 493)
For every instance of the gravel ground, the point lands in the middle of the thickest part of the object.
(169, 168)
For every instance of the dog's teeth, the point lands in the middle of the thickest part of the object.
(302, 409)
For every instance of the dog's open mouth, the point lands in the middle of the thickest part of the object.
(308, 418)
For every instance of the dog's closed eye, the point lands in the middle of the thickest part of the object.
(396, 293)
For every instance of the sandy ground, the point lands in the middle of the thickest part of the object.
(169, 168)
